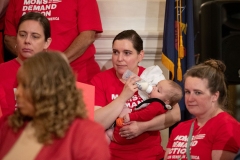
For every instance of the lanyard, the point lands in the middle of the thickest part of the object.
(189, 141)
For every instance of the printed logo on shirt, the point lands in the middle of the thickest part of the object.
(179, 146)
(42, 6)
(54, 1)
(132, 102)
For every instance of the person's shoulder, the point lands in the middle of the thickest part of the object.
(105, 74)
(11, 63)
(223, 124)
(4, 121)
(183, 126)
(86, 124)
(225, 118)
(85, 128)
(186, 123)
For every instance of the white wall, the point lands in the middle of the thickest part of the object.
(144, 16)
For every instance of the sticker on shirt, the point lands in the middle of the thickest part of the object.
(132, 102)
(178, 150)
(44, 7)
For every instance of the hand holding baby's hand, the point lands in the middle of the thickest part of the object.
(126, 118)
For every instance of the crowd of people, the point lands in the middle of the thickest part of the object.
(113, 93)
(43, 109)
(73, 30)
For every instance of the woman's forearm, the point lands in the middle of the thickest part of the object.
(108, 114)
(162, 121)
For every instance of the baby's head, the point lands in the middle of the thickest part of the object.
(168, 91)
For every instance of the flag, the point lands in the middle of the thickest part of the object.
(178, 41)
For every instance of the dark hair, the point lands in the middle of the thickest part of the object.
(213, 71)
(132, 36)
(41, 19)
(51, 84)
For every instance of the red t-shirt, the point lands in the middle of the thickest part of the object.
(107, 88)
(84, 140)
(219, 133)
(8, 83)
(3, 103)
(67, 18)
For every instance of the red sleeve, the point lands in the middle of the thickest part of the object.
(10, 23)
(227, 137)
(100, 95)
(4, 109)
(7, 136)
(93, 143)
(147, 113)
(89, 16)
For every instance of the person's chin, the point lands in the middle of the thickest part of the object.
(192, 111)
(122, 66)
(121, 69)
(23, 112)
(27, 55)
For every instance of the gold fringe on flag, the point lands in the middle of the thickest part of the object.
(180, 40)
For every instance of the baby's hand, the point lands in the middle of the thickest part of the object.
(126, 118)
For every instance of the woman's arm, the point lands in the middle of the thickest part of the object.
(133, 129)
(108, 114)
(164, 120)
(222, 155)
(3, 7)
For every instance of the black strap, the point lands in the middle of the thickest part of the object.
(150, 100)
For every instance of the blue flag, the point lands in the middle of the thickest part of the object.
(178, 41)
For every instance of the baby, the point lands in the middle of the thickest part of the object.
(166, 91)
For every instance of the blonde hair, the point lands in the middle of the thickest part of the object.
(53, 93)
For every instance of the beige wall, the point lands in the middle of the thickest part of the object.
(144, 16)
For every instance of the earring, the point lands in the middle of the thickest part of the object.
(15, 46)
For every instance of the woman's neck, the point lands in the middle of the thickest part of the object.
(201, 120)
(20, 61)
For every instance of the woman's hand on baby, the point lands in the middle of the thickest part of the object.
(130, 130)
